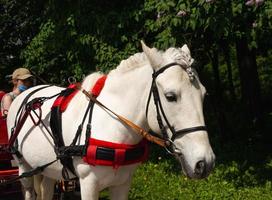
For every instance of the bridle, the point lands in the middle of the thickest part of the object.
(170, 146)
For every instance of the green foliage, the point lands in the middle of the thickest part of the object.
(158, 181)
(17, 28)
(37, 51)
(73, 41)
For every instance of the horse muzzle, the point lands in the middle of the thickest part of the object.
(200, 169)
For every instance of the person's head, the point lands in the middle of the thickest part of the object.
(22, 79)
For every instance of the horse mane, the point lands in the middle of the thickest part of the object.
(137, 60)
(133, 62)
(140, 59)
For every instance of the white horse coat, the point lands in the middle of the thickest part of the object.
(125, 92)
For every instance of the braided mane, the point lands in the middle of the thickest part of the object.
(133, 62)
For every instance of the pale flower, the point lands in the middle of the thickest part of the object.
(254, 24)
(159, 15)
(254, 2)
(250, 2)
(181, 13)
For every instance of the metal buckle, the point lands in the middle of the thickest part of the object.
(71, 80)
(171, 148)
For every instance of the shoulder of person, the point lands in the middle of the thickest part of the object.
(8, 96)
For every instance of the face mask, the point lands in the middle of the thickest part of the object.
(22, 88)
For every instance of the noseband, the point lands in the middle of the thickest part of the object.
(171, 148)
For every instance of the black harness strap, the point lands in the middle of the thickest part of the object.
(55, 120)
(30, 173)
(65, 153)
(56, 128)
(89, 127)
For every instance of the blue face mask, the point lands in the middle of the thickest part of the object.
(22, 88)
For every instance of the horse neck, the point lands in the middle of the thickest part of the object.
(125, 94)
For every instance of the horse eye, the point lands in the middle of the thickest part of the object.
(171, 96)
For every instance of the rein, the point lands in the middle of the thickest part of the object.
(129, 123)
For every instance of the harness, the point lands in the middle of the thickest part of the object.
(97, 152)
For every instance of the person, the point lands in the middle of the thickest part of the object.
(22, 79)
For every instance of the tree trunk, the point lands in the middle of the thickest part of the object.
(226, 51)
(215, 67)
(250, 86)
(216, 98)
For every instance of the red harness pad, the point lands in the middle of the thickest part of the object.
(99, 86)
(64, 99)
(121, 153)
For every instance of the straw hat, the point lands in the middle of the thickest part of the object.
(21, 74)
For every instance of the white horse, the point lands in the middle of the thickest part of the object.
(126, 92)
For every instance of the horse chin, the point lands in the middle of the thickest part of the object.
(187, 170)
(185, 167)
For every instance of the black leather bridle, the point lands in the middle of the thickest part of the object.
(171, 148)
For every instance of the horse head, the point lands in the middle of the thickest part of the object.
(175, 109)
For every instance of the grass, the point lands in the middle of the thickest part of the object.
(243, 171)
(234, 178)
(159, 181)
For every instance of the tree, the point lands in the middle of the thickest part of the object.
(19, 23)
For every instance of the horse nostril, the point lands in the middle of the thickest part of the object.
(200, 168)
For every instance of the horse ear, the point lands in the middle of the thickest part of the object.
(188, 59)
(153, 55)
(185, 49)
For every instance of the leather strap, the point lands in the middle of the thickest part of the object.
(129, 123)
(189, 130)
